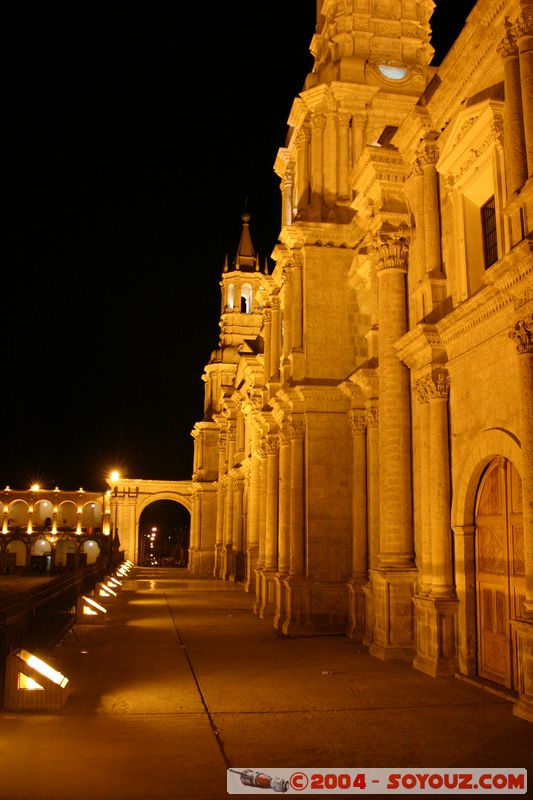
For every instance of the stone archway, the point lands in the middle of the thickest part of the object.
(487, 446)
(129, 498)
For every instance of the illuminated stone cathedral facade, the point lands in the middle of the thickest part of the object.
(365, 459)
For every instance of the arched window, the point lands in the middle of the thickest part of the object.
(246, 298)
(231, 295)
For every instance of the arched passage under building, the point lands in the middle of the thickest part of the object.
(164, 534)
(130, 498)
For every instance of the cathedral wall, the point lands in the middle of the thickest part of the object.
(329, 311)
(328, 490)
(484, 394)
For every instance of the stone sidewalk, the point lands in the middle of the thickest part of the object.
(184, 681)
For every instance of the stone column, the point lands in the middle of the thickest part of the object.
(219, 536)
(297, 533)
(303, 138)
(317, 161)
(267, 337)
(237, 571)
(513, 122)
(395, 576)
(396, 539)
(283, 525)
(271, 527)
(260, 564)
(428, 159)
(252, 545)
(372, 440)
(343, 189)
(436, 614)
(524, 36)
(287, 312)
(358, 139)
(228, 528)
(423, 487)
(418, 177)
(439, 480)
(228, 508)
(297, 307)
(287, 187)
(296, 611)
(275, 339)
(356, 597)
(522, 335)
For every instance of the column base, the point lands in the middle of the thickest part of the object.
(267, 606)
(281, 601)
(393, 634)
(201, 562)
(314, 607)
(436, 635)
(217, 561)
(524, 633)
(250, 559)
(258, 588)
(226, 562)
(356, 627)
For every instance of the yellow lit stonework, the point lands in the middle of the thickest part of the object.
(364, 462)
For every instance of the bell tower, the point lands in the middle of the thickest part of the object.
(371, 66)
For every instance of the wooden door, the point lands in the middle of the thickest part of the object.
(500, 580)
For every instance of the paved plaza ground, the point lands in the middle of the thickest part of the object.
(184, 681)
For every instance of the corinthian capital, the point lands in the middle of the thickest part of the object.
(522, 335)
(391, 251)
(438, 384)
(508, 46)
(358, 422)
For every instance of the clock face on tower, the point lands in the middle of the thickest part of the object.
(393, 72)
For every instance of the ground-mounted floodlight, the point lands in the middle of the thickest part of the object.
(89, 612)
(115, 583)
(105, 592)
(32, 684)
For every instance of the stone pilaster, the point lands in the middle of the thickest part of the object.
(422, 487)
(297, 601)
(302, 170)
(236, 572)
(260, 563)
(318, 125)
(524, 37)
(513, 122)
(275, 335)
(219, 537)
(283, 526)
(287, 189)
(523, 338)
(356, 627)
(252, 544)
(268, 588)
(343, 123)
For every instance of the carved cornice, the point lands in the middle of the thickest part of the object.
(420, 346)
(510, 280)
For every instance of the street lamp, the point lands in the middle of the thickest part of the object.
(113, 480)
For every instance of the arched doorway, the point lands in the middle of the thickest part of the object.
(164, 528)
(500, 575)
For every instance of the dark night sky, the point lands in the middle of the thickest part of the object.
(134, 136)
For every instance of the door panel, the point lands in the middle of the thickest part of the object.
(500, 582)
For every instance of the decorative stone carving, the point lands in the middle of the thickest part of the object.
(522, 335)
(358, 422)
